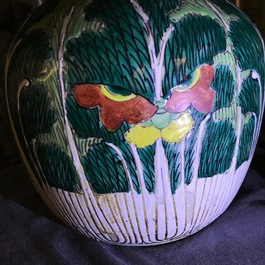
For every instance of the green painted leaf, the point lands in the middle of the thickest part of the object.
(226, 6)
(36, 113)
(190, 7)
(147, 155)
(227, 113)
(157, 12)
(130, 162)
(84, 122)
(118, 90)
(249, 96)
(29, 59)
(104, 170)
(226, 58)
(248, 47)
(217, 149)
(58, 168)
(117, 55)
(191, 142)
(195, 41)
(116, 137)
(247, 44)
(224, 86)
(245, 144)
(172, 152)
(83, 145)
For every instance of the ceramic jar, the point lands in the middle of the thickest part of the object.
(137, 119)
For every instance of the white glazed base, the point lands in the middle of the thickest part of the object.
(145, 219)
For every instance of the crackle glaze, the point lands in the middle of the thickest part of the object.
(137, 119)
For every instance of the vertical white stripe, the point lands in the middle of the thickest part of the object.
(142, 201)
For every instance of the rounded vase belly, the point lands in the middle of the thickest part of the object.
(137, 119)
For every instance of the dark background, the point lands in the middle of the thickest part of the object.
(31, 234)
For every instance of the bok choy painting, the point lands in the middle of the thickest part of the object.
(137, 119)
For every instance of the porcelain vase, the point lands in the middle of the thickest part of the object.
(137, 119)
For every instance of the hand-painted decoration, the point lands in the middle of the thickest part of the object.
(137, 119)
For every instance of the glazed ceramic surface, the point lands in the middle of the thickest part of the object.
(137, 119)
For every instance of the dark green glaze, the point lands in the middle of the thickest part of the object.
(191, 146)
(249, 97)
(57, 168)
(114, 55)
(245, 143)
(147, 158)
(104, 170)
(109, 43)
(217, 149)
(173, 155)
(223, 79)
(187, 51)
(36, 99)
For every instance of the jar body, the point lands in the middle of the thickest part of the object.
(137, 121)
